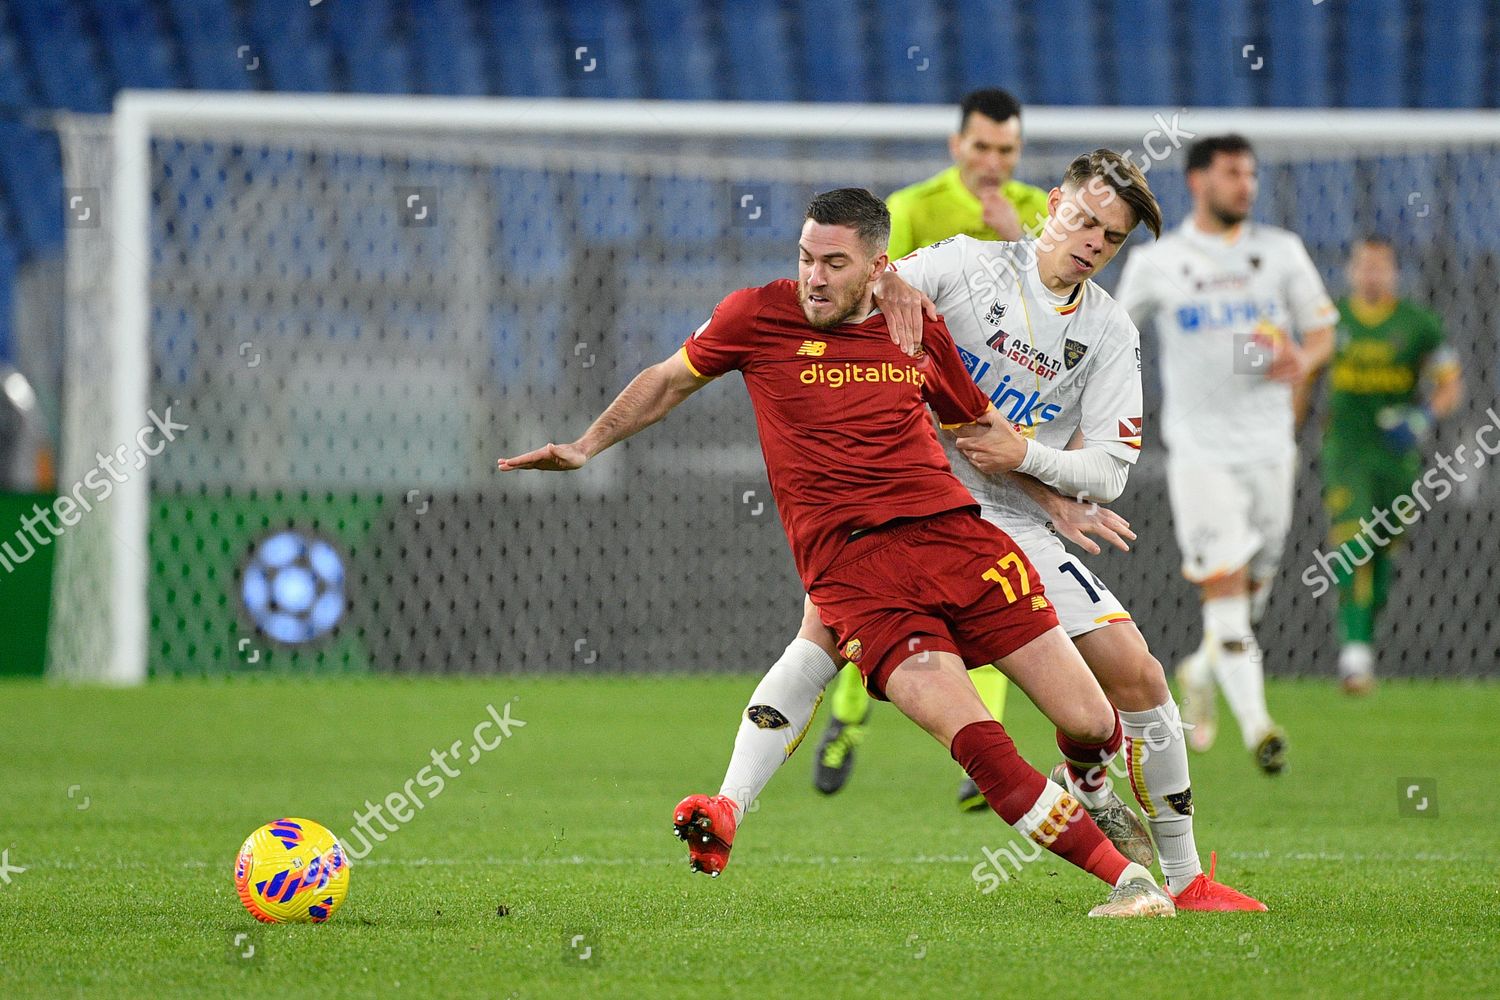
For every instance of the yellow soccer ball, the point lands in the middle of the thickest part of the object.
(292, 871)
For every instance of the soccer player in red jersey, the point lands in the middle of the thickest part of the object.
(888, 543)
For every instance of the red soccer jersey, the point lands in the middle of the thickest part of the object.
(842, 415)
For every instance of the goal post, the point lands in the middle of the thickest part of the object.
(356, 303)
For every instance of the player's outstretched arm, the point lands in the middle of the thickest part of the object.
(650, 396)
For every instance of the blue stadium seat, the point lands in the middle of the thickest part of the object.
(1069, 70)
(684, 209)
(913, 63)
(14, 91)
(384, 68)
(680, 57)
(1322, 213)
(1374, 62)
(174, 335)
(1300, 76)
(516, 328)
(608, 206)
(374, 57)
(9, 263)
(530, 62)
(1453, 53)
(214, 45)
(757, 47)
(1476, 202)
(294, 56)
(446, 52)
(605, 26)
(58, 44)
(531, 243)
(135, 44)
(1407, 201)
(1223, 68)
(994, 47)
(1169, 184)
(1141, 36)
(353, 28)
(833, 51)
(32, 167)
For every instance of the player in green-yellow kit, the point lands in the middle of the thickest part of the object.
(978, 196)
(1391, 377)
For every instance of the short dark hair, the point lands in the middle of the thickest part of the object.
(1201, 153)
(999, 105)
(1376, 240)
(856, 208)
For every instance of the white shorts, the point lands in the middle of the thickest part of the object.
(1081, 600)
(1228, 516)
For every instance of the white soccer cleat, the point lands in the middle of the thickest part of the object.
(1136, 895)
(1357, 668)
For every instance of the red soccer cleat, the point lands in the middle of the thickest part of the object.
(707, 824)
(1203, 893)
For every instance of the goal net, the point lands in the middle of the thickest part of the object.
(301, 330)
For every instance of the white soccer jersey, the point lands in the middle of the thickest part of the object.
(1051, 365)
(1214, 301)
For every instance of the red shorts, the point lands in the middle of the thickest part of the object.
(952, 582)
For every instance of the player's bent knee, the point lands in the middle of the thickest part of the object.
(1137, 684)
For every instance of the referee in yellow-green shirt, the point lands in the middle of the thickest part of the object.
(979, 197)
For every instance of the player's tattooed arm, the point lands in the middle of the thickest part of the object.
(650, 396)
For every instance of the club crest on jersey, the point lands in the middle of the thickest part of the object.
(853, 650)
(1073, 352)
(996, 314)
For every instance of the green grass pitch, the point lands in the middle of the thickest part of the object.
(125, 810)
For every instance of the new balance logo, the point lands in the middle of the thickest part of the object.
(812, 349)
(1038, 603)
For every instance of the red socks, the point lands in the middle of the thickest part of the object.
(1088, 762)
(1033, 805)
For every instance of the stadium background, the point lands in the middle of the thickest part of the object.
(551, 271)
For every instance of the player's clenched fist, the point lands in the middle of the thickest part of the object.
(549, 458)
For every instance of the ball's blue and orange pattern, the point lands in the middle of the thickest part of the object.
(292, 871)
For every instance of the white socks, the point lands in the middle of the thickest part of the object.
(776, 719)
(1237, 664)
(1156, 765)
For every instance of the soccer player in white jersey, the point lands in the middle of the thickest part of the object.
(1242, 318)
(1057, 356)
